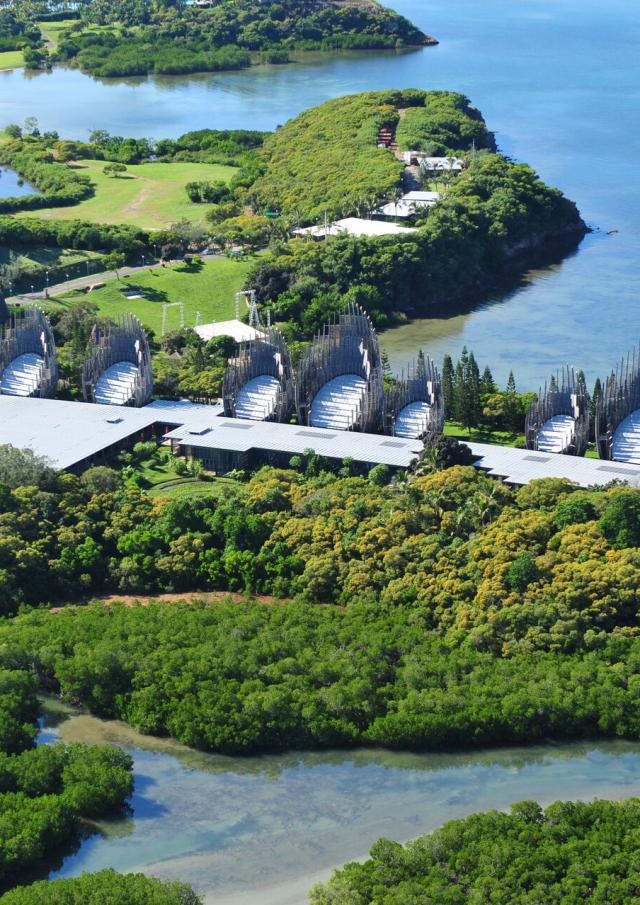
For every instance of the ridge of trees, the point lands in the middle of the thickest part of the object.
(453, 545)
(242, 678)
(569, 852)
(146, 37)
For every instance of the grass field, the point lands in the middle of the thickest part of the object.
(149, 195)
(51, 30)
(501, 438)
(209, 288)
(11, 59)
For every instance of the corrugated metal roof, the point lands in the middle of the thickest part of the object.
(293, 439)
(67, 432)
(520, 466)
(70, 432)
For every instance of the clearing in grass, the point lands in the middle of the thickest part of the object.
(209, 288)
(148, 195)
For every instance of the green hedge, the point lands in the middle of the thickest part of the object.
(56, 182)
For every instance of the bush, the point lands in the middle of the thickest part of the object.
(104, 887)
(620, 522)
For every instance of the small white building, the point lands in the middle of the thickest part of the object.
(239, 331)
(353, 226)
(433, 164)
(410, 204)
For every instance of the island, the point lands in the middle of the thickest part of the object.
(122, 39)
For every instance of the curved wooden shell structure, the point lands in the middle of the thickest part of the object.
(117, 367)
(28, 362)
(258, 383)
(339, 384)
(558, 421)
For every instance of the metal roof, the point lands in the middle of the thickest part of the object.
(67, 432)
(410, 204)
(520, 466)
(233, 435)
(354, 226)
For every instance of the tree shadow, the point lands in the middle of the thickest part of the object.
(148, 293)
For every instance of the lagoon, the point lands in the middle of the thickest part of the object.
(14, 186)
(560, 84)
(263, 829)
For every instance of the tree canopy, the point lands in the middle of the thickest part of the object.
(569, 852)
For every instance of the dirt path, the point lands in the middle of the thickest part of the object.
(135, 205)
(130, 600)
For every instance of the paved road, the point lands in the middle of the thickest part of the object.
(90, 280)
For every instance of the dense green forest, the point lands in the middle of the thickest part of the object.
(447, 582)
(494, 216)
(569, 853)
(243, 678)
(445, 124)
(47, 792)
(549, 567)
(17, 32)
(104, 888)
(134, 39)
(328, 159)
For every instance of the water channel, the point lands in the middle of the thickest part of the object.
(560, 84)
(262, 830)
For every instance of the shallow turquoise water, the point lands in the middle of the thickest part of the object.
(560, 84)
(259, 831)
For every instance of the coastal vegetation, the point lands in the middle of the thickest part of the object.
(569, 852)
(46, 793)
(327, 159)
(102, 887)
(397, 598)
(121, 40)
(493, 217)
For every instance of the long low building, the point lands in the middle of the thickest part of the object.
(73, 435)
(226, 443)
(354, 226)
(520, 466)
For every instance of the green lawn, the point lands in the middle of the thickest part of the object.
(149, 195)
(11, 59)
(191, 488)
(161, 479)
(51, 30)
(500, 438)
(209, 288)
